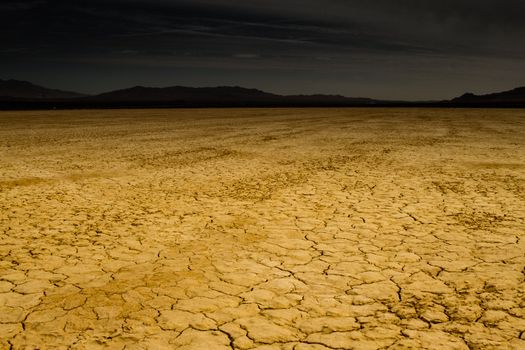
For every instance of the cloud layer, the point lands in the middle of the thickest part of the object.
(393, 49)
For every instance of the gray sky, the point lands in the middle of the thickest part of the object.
(395, 49)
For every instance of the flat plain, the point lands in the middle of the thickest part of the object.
(297, 229)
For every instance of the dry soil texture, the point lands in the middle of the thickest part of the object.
(262, 229)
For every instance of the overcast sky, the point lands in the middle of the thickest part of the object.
(395, 49)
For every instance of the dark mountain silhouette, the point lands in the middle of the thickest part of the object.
(222, 95)
(24, 95)
(22, 89)
(515, 96)
(185, 94)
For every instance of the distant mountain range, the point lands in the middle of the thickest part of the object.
(217, 96)
(16, 94)
(512, 96)
(23, 89)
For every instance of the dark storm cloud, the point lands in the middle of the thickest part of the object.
(350, 39)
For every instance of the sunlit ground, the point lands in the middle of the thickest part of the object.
(263, 228)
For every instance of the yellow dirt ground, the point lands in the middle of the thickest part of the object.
(262, 229)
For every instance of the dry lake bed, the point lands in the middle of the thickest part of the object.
(298, 229)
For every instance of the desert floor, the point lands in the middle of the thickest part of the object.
(262, 229)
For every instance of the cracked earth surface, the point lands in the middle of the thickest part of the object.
(262, 229)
